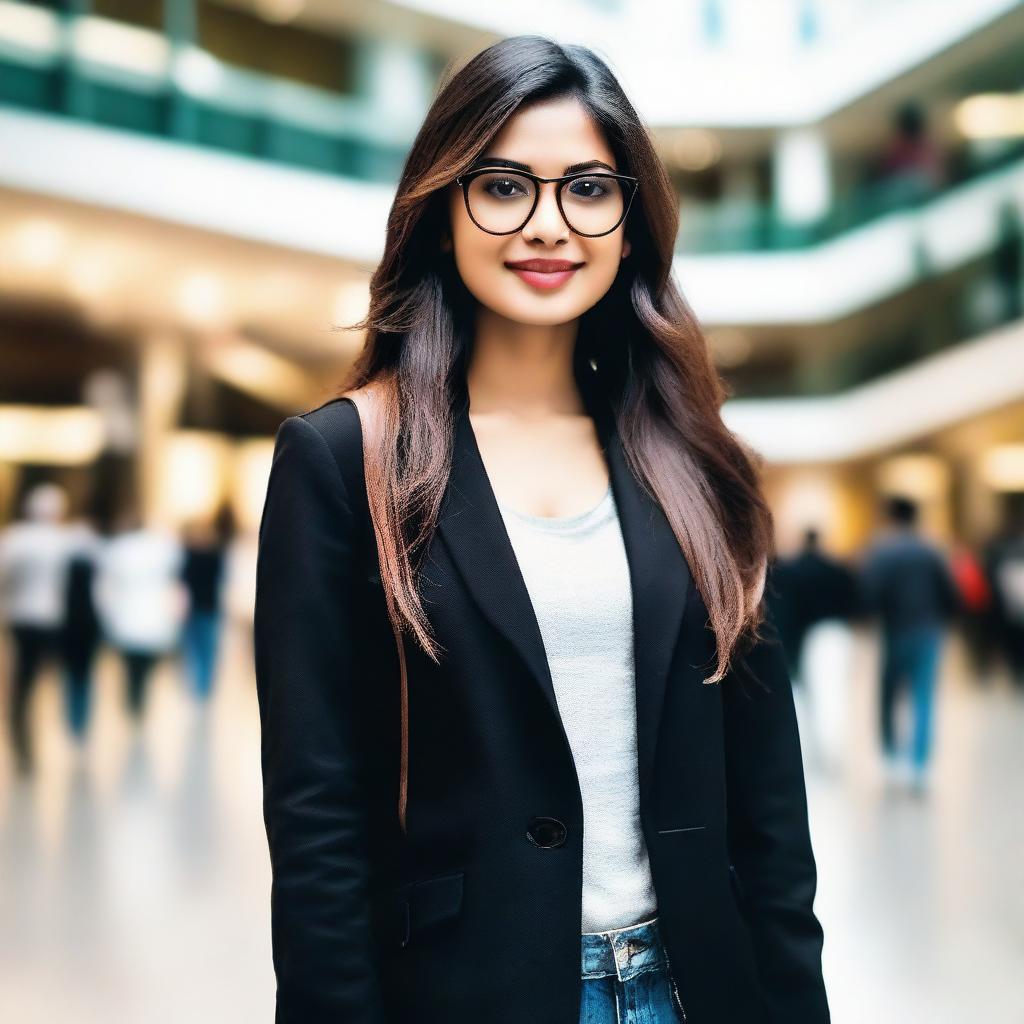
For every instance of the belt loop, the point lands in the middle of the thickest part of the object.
(615, 955)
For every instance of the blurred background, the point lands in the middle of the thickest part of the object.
(193, 195)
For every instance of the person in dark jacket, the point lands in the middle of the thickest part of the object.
(822, 597)
(910, 587)
(529, 746)
(81, 631)
(814, 587)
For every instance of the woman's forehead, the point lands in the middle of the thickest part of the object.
(550, 136)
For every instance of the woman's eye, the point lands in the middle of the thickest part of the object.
(503, 188)
(588, 189)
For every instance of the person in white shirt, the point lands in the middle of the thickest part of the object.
(140, 601)
(33, 566)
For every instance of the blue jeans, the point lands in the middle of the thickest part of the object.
(200, 648)
(910, 655)
(627, 978)
(77, 685)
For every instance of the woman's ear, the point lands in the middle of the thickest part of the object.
(446, 242)
(626, 246)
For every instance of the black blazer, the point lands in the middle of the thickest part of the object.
(474, 915)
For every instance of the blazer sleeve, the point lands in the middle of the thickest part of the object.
(769, 837)
(314, 802)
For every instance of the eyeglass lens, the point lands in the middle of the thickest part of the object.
(501, 201)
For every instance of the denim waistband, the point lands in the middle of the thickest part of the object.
(624, 952)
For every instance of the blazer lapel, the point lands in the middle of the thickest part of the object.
(473, 530)
(660, 581)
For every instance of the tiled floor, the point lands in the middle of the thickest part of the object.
(134, 880)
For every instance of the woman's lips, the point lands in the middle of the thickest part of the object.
(544, 281)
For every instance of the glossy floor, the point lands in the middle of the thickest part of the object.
(134, 878)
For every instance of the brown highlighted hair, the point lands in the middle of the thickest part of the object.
(640, 348)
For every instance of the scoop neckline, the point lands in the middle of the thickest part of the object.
(557, 522)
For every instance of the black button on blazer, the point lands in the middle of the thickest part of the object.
(474, 915)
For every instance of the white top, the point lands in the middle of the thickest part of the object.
(34, 558)
(577, 573)
(139, 595)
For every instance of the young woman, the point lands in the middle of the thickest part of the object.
(573, 790)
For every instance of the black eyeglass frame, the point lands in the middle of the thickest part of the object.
(465, 178)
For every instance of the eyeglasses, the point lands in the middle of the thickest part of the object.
(592, 203)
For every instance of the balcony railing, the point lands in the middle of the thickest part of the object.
(133, 79)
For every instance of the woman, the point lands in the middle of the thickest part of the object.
(540, 806)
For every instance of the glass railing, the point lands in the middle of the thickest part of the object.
(128, 78)
(749, 226)
(941, 314)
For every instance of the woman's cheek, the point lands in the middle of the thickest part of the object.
(484, 280)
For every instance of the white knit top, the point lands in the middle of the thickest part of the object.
(577, 574)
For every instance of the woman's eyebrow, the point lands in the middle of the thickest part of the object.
(497, 161)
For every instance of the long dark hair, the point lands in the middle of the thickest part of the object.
(651, 358)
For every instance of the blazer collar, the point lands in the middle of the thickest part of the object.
(473, 530)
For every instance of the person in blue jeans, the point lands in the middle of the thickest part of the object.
(911, 656)
(627, 978)
(909, 584)
(203, 574)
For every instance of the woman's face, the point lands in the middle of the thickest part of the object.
(548, 137)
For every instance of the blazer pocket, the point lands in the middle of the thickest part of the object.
(424, 904)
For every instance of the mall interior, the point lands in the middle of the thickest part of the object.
(193, 197)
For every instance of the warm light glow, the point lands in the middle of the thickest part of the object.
(91, 274)
(280, 11)
(124, 46)
(693, 149)
(990, 116)
(29, 27)
(1002, 467)
(64, 436)
(351, 303)
(194, 476)
(809, 498)
(258, 372)
(729, 347)
(201, 299)
(38, 244)
(250, 472)
(914, 476)
(275, 293)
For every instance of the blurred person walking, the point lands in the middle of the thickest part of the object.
(33, 563)
(825, 596)
(141, 601)
(203, 572)
(909, 585)
(81, 633)
(781, 599)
